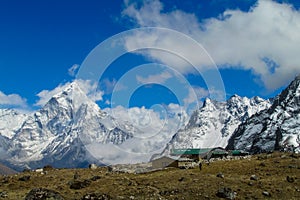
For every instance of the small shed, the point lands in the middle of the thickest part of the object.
(164, 162)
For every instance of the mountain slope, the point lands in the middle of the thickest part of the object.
(10, 122)
(57, 133)
(4, 170)
(275, 128)
(214, 123)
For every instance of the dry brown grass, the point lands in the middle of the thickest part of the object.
(272, 171)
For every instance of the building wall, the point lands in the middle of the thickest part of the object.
(164, 162)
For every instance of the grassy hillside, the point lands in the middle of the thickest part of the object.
(277, 176)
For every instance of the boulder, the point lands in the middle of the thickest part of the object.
(290, 179)
(226, 193)
(42, 194)
(220, 175)
(266, 194)
(93, 166)
(77, 185)
(24, 178)
(253, 178)
(96, 196)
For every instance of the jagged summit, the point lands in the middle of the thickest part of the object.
(58, 132)
(275, 128)
(214, 123)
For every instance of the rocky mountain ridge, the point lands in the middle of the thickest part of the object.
(57, 133)
(213, 124)
(276, 128)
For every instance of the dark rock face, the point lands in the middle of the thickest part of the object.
(43, 194)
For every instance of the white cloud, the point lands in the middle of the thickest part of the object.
(157, 78)
(110, 86)
(195, 94)
(73, 70)
(241, 39)
(89, 88)
(156, 130)
(12, 100)
(46, 95)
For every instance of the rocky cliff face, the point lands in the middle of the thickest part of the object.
(275, 128)
(215, 122)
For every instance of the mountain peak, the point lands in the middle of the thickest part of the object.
(71, 95)
(70, 89)
(273, 129)
(290, 95)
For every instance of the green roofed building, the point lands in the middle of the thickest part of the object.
(177, 152)
(238, 153)
(200, 153)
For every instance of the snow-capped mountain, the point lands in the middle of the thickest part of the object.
(214, 123)
(275, 128)
(57, 133)
(10, 122)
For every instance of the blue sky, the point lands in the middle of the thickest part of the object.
(254, 45)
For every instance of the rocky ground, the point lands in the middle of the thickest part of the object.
(265, 176)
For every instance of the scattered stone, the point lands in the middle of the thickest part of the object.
(77, 185)
(3, 194)
(95, 178)
(292, 166)
(290, 179)
(93, 166)
(294, 155)
(250, 183)
(283, 156)
(181, 179)
(76, 176)
(254, 178)
(96, 196)
(41, 194)
(262, 164)
(226, 193)
(5, 180)
(220, 175)
(24, 178)
(169, 192)
(266, 194)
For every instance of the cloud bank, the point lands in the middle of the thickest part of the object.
(264, 40)
(12, 100)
